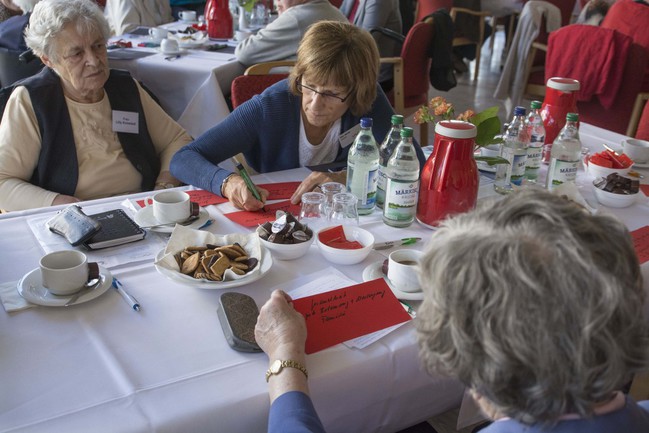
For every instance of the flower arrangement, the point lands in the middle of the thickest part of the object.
(487, 123)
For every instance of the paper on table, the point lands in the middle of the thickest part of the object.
(253, 219)
(109, 258)
(280, 190)
(324, 281)
(339, 315)
(641, 243)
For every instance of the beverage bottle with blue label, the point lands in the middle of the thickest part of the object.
(402, 187)
(363, 168)
(514, 150)
(536, 132)
(385, 152)
(565, 154)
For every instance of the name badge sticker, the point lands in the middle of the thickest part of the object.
(126, 121)
(347, 137)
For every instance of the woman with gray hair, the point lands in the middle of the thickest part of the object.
(85, 131)
(537, 306)
(532, 302)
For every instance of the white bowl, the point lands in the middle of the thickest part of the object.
(287, 251)
(349, 257)
(599, 171)
(612, 199)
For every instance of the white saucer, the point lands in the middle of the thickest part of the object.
(144, 217)
(374, 271)
(232, 42)
(172, 53)
(31, 288)
(641, 165)
(265, 263)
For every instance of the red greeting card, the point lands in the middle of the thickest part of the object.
(340, 315)
(641, 243)
(253, 219)
(281, 190)
(645, 189)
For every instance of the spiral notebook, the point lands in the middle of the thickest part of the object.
(117, 228)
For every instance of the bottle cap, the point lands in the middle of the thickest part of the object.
(572, 117)
(535, 105)
(519, 111)
(406, 132)
(366, 122)
(397, 119)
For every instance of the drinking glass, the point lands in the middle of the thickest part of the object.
(344, 210)
(329, 189)
(312, 210)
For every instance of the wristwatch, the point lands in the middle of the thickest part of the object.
(278, 365)
(165, 185)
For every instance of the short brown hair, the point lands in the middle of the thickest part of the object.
(339, 54)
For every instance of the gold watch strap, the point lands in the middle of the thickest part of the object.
(278, 365)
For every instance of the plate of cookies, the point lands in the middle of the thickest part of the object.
(210, 261)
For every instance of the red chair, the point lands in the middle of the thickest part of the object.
(411, 73)
(255, 79)
(639, 123)
(427, 7)
(608, 76)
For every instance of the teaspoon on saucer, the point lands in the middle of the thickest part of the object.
(90, 285)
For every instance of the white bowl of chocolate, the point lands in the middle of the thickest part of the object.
(286, 237)
(616, 191)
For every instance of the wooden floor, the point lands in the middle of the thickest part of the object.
(476, 95)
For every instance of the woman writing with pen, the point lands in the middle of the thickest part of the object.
(309, 119)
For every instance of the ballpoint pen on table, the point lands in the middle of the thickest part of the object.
(246, 178)
(390, 244)
(128, 298)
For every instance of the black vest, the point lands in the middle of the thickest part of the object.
(57, 168)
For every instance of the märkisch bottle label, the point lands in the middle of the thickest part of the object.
(401, 199)
(561, 172)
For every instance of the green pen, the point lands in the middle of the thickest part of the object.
(246, 178)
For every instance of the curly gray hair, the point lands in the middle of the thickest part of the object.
(535, 304)
(50, 17)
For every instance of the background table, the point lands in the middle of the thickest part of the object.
(102, 367)
(191, 88)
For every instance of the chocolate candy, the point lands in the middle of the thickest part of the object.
(286, 229)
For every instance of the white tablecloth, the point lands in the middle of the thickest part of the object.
(190, 88)
(101, 367)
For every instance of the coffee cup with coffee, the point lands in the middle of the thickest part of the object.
(66, 272)
(171, 206)
(403, 268)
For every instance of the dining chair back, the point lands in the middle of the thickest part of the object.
(607, 72)
(470, 18)
(411, 73)
(639, 123)
(256, 79)
(427, 7)
(13, 68)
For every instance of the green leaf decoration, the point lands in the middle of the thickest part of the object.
(491, 160)
(488, 128)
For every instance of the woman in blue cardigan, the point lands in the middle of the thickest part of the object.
(309, 119)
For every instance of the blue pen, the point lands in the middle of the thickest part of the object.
(130, 300)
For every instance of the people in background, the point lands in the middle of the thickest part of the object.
(593, 12)
(8, 9)
(77, 130)
(300, 121)
(126, 15)
(532, 302)
(12, 30)
(280, 39)
(371, 14)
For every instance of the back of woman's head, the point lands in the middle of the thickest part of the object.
(50, 17)
(534, 303)
(339, 54)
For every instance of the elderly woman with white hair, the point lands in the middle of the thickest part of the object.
(85, 131)
(12, 30)
(532, 302)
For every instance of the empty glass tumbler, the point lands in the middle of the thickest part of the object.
(344, 210)
(329, 189)
(312, 212)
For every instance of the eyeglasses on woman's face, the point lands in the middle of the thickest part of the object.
(328, 96)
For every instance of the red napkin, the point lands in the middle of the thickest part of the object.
(641, 243)
(253, 219)
(334, 237)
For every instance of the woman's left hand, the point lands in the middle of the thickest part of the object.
(314, 180)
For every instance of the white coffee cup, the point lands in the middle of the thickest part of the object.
(637, 150)
(169, 46)
(187, 15)
(64, 272)
(158, 33)
(402, 270)
(171, 206)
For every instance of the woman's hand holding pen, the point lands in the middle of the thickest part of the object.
(314, 180)
(236, 190)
